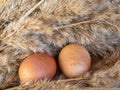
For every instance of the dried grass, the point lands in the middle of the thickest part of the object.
(46, 26)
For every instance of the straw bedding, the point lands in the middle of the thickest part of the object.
(46, 26)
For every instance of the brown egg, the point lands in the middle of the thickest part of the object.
(37, 67)
(74, 60)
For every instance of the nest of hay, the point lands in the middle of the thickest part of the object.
(46, 26)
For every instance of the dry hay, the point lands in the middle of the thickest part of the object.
(46, 26)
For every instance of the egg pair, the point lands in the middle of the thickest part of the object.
(74, 60)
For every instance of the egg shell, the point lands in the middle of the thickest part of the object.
(74, 60)
(37, 67)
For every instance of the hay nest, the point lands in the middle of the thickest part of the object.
(46, 26)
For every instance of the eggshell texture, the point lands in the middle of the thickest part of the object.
(37, 67)
(74, 60)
